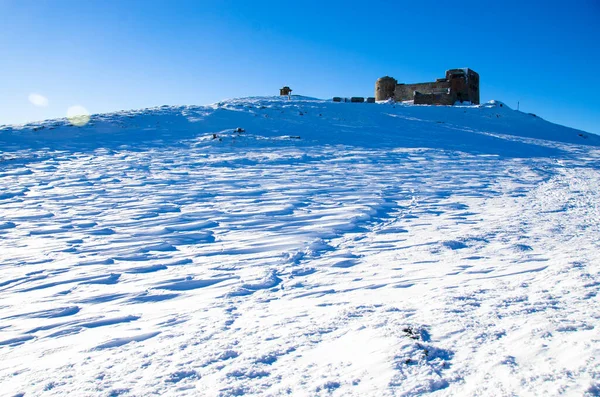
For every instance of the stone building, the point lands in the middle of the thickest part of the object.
(459, 85)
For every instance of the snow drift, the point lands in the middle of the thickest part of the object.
(262, 246)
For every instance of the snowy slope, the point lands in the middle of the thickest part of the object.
(327, 249)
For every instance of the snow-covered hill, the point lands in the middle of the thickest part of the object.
(262, 246)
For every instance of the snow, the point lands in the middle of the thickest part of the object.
(329, 249)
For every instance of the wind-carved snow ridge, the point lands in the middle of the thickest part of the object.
(262, 246)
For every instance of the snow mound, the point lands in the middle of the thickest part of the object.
(266, 246)
(483, 128)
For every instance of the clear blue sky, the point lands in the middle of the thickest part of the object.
(117, 54)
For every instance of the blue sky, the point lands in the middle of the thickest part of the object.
(112, 55)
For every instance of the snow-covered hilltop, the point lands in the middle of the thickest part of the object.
(262, 246)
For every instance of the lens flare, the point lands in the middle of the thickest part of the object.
(78, 115)
(38, 100)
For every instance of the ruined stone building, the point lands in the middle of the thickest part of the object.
(459, 85)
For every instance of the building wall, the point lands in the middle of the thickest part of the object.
(405, 92)
(434, 99)
(474, 87)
